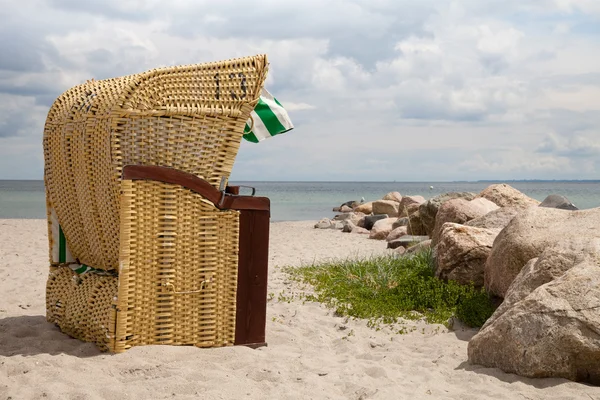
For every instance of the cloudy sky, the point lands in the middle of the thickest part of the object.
(405, 90)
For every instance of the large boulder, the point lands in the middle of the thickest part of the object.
(394, 196)
(366, 208)
(370, 220)
(396, 233)
(528, 234)
(462, 252)
(382, 228)
(552, 263)
(549, 324)
(389, 207)
(415, 225)
(428, 210)
(410, 200)
(558, 201)
(460, 211)
(507, 196)
(497, 219)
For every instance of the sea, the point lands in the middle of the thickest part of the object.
(293, 201)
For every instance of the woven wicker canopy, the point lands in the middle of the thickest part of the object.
(187, 117)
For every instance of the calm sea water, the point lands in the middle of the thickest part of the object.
(314, 200)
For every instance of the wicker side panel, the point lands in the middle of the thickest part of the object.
(59, 178)
(178, 271)
(81, 185)
(82, 306)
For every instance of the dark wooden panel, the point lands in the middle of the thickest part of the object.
(251, 311)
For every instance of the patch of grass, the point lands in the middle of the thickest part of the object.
(386, 288)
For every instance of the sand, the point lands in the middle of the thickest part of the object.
(312, 354)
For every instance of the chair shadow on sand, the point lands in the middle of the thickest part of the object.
(29, 335)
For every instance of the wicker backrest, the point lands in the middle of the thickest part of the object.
(187, 117)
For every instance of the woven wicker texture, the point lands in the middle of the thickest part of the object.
(82, 306)
(190, 118)
(178, 275)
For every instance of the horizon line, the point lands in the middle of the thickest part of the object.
(393, 181)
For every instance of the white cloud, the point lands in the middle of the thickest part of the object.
(298, 106)
(377, 90)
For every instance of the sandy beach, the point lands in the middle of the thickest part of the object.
(311, 353)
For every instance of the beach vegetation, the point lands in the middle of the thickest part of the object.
(386, 288)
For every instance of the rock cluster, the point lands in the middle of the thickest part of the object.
(542, 260)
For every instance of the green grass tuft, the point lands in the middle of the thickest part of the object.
(386, 288)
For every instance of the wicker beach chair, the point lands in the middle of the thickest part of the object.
(148, 244)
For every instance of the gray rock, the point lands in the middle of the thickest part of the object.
(389, 207)
(558, 201)
(361, 222)
(552, 332)
(411, 240)
(400, 250)
(400, 222)
(336, 209)
(348, 226)
(381, 229)
(351, 204)
(346, 209)
(428, 210)
(396, 233)
(421, 246)
(342, 217)
(351, 216)
(528, 234)
(507, 196)
(460, 211)
(462, 252)
(324, 223)
(394, 244)
(371, 219)
(337, 225)
(415, 225)
(497, 219)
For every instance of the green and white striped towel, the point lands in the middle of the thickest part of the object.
(270, 119)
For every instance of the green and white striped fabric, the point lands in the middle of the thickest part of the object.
(60, 250)
(270, 119)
